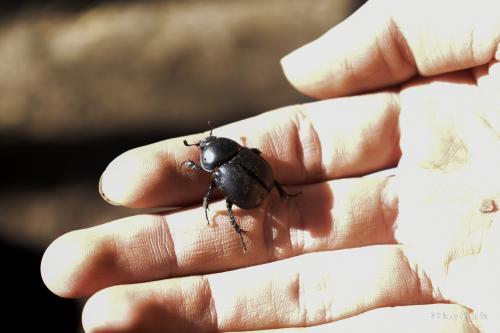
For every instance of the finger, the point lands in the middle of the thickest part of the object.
(303, 144)
(387, 41)
(431, 318)
(335, 215)
(308, 290)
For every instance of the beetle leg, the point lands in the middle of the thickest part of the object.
(235, 225)
(191, 165)
(206, 198)
(284, 194)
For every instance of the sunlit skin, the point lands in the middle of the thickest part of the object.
(412, 249)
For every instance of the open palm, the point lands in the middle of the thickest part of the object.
(448, 194)
(413, 250)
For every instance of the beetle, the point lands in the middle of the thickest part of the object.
(243, 176)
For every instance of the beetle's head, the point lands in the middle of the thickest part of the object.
(210, 138)
(205, 142)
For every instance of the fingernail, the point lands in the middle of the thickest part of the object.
(101, 192)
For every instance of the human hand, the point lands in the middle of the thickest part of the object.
(414, 252)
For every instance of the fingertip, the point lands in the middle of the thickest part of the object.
(61, 264)
(364, 52)
(334, 64)
(305, 69)
(106, 311)
(150, 176)
(129, 177)
(73, 267)
(103, 194)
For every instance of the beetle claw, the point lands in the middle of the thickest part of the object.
(206, 216)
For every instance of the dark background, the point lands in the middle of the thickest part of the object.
(83, 81)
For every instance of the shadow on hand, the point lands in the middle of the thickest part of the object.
(286, 222)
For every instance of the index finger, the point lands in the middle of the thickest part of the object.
(303, 144)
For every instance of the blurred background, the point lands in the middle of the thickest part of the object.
(82, 81)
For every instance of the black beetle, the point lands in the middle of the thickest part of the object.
(240, 173)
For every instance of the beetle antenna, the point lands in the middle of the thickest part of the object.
(211, 128)
(191, 144)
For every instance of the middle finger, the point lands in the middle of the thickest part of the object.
(326, 216)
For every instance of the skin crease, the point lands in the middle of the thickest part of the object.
(411, 252)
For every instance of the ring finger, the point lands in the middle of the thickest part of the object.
(310, 289)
